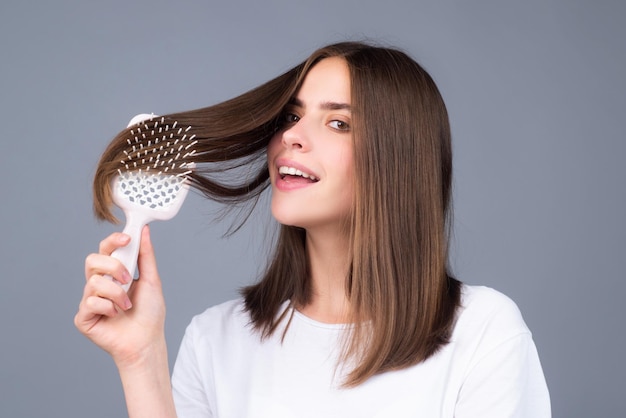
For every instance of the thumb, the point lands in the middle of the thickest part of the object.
(147, 261)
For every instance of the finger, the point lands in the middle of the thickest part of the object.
(91, 310)
(147, 261)
(99, 264)
(104, 288)
(112, 242)
(96, 306)
(84, 318)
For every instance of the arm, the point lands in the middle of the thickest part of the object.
(130, 327)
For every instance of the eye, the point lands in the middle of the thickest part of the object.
(339, 125)
(289, 117)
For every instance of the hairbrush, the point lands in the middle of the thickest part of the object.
(152, 182)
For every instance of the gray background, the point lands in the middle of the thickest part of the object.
(537, 97)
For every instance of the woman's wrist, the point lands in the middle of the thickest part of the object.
(149, 357)
(146, 381)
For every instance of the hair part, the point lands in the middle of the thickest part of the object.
(403, 168)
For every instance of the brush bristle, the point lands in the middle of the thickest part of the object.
(159, 146)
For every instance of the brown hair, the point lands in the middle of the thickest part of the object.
(398, 282)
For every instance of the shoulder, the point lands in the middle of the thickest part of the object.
(220, 320)
(488, 318)
(479, 295)
(229, 309)
(484, 304)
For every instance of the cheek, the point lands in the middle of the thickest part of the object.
(273, 148)
(344, 162)
(345, 176)
(274, 145)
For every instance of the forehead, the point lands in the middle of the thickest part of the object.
(327, 81)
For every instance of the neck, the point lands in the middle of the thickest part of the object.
(329, 261)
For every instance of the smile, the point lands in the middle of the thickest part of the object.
(291, 171)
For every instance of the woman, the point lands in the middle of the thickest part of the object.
(356, 315)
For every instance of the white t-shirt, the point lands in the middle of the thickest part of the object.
(490, 369)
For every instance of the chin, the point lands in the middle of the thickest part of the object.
(284, 216)
(287, 220)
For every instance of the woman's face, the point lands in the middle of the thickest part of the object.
(310, 159)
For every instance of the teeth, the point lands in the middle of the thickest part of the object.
(284, 170)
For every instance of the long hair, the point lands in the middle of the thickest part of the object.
(402, 298)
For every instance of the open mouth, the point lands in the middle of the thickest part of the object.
(293, 174)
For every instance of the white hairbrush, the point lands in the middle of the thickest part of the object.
(143, 188)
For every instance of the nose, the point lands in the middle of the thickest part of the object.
(294, 137)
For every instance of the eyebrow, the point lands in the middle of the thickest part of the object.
(324, 105)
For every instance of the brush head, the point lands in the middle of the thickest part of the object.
(146, 166)
(152, 179)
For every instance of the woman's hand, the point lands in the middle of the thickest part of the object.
(133, 333)
(130, 326)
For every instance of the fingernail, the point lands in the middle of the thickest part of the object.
(126, 277)
(128, 304)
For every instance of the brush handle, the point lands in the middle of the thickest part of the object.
(128, 254)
